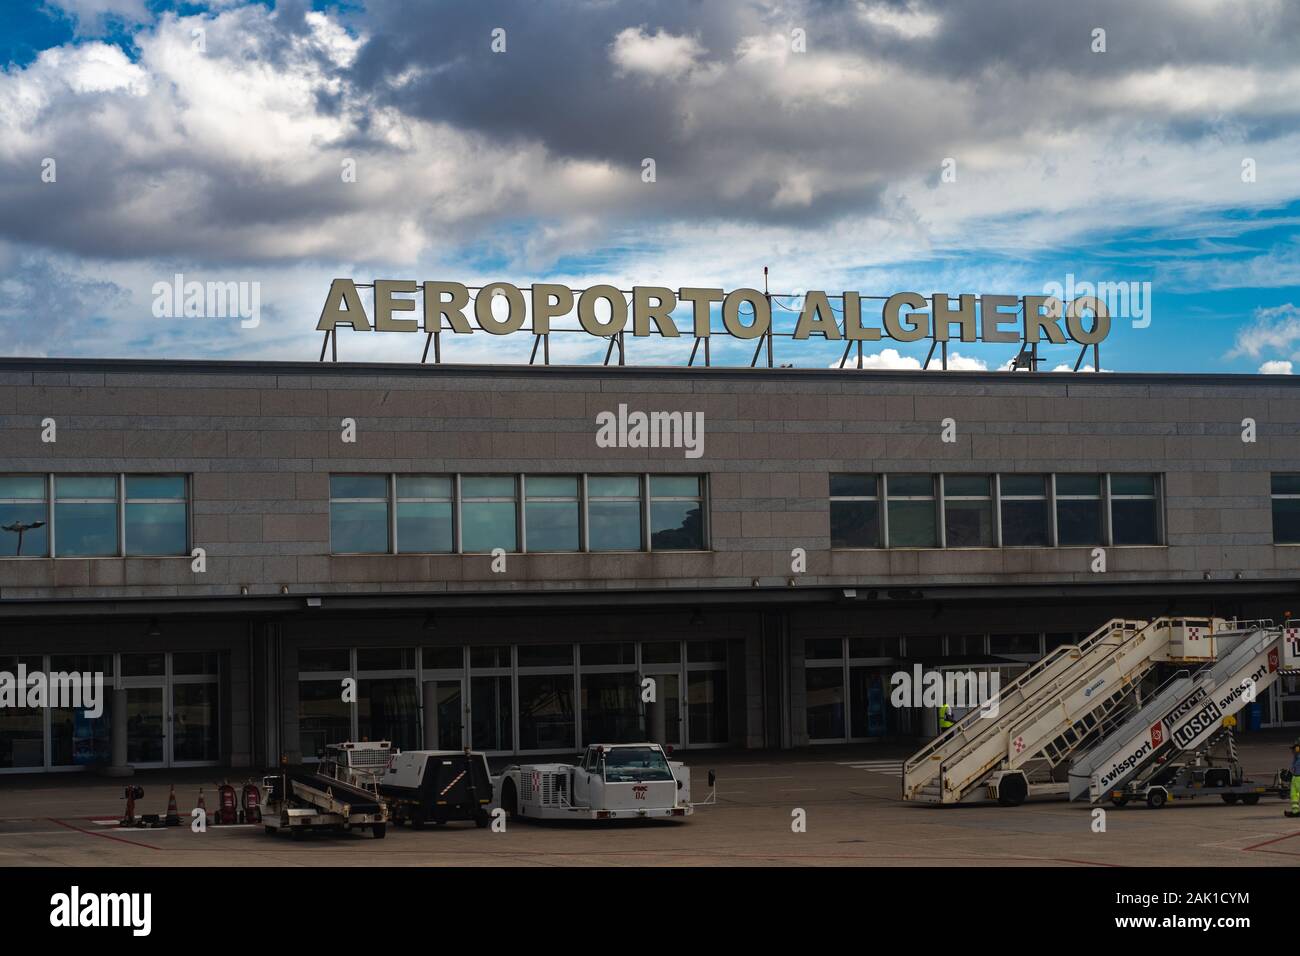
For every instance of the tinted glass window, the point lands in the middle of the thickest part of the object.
(23, 516)
(85, 514)
(614, 513)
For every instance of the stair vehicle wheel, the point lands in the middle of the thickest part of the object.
(1250, 799)
(1012, 790)
(417, 820)
(509, 799)
(1119, 801)
(1229, 798)
(270, 831)
(482, 819)
(1157, 798)
(379, 830)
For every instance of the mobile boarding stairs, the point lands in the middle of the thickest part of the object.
(1075, 723)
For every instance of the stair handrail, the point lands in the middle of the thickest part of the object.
(1025, 677)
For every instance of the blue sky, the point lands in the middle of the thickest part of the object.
(809, 136)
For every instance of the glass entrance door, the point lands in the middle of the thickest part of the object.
(663, 715)
(172, 708)
(447, 727)
(146, 726)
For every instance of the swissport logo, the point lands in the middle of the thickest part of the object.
(1157, 735)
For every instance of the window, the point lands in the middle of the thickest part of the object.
(1080, 520)
(24, 518)
(424, 514)
(1286, 509)
(487, 513)
(156, 521)
(359, 514)
(911, 515)
(676, 513)
(1024, 511)
(967, 511)
(85, 516)
(551, 513)
(614, 513)
(1134, 510)
(855, 512)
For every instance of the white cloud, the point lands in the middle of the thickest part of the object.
(1275, 329)
(660, 55)
(1275, 367)
(910, 22)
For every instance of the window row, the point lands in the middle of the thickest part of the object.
(475, 514)
(994, 511)
(93, 516)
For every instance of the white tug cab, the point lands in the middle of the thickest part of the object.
(610, 782)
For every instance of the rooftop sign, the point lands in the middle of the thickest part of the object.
(746, 313)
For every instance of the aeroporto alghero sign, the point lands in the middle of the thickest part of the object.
(746, 313)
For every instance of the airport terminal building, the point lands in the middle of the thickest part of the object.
(266, 557)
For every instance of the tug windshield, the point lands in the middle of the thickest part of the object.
(635, 765)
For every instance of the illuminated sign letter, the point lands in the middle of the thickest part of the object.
(1036, 320)
(544, 309)
(665, 300)
(853, 328)
(488, 322)
(700, 298)
(920, 321)
(945, 315)
(992, 318)
(761, 310)
(817, 316)
(1100, 323)
(343, 307)
(617, 310)
(435, 308)
(386, 305)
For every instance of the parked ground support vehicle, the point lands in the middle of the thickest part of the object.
(610, 782)
(435, 786)
(340, 794)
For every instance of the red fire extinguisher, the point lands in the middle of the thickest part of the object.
(252, 797)
(227, 804)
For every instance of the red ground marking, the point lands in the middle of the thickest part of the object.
(106, 836)
(1286, 836)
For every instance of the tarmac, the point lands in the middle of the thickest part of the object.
(848, 798)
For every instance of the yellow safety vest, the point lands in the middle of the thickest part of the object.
(944, 722)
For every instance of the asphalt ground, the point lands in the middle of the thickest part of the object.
(849, 797)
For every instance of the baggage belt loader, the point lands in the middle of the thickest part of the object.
(339, 794)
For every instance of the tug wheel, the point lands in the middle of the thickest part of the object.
(270, 831)
(1229, 798)
(482, 819)
(1250, 799)
(379, 830)
(509, 799)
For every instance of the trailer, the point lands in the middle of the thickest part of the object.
(610, 782)
(341, 794)
(436, 786)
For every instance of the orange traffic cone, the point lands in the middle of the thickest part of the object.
(173, 818)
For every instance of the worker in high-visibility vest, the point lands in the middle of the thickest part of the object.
(1295, 780)
(945, 718)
